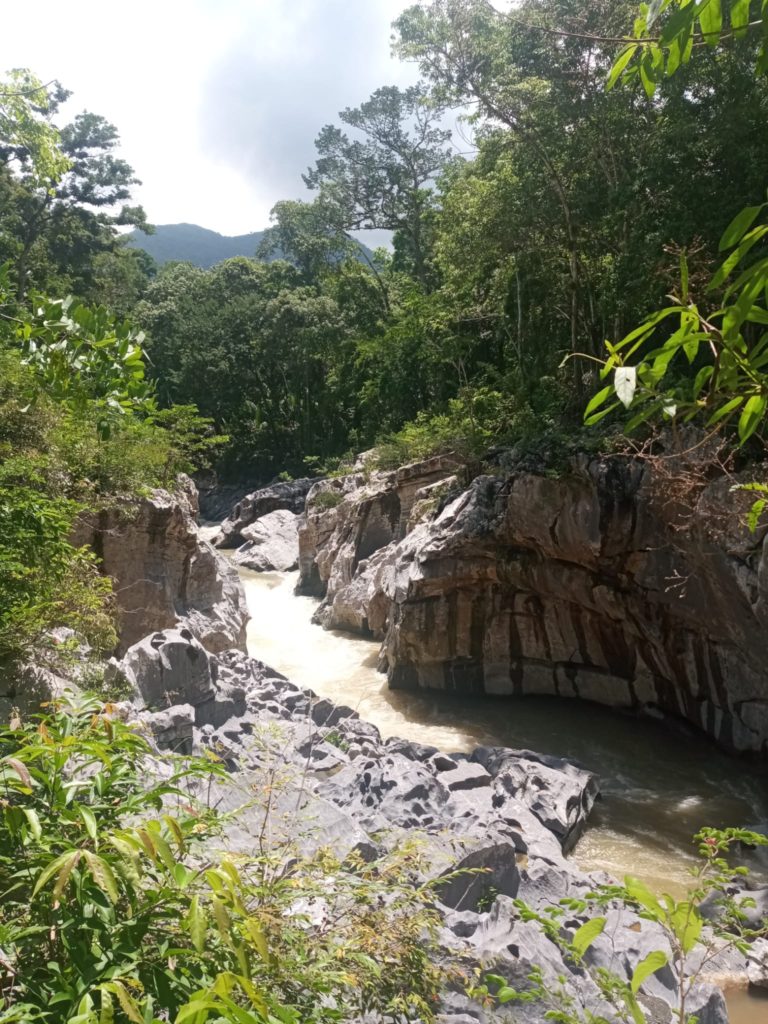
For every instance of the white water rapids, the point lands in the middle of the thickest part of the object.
(658, 786)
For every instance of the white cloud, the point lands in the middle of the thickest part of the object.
(217, 101)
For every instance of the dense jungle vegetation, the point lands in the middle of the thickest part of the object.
(589, 179)
(554, 222)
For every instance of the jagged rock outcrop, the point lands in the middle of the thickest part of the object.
(165, 574)
(288, 494)
(481, 840)
(623, 581)
(350, 518)
(271, 543)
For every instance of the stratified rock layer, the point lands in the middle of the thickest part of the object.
(165, 574)
(625, 582)
(349, 519)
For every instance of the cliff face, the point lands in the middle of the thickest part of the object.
(625, 582)
(165, 574)
(368, 512)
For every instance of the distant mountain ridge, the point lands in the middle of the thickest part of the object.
(193, 244)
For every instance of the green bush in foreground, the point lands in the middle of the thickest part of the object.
(113, 908)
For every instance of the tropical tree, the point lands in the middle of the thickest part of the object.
(383, 178)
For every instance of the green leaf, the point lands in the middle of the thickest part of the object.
(620, 64)
(506, 994)
(586, 934)
(590, 421)
(47, 873)
(162, 849)
(643, 416)
(711, 21)
(755, 514)
(640, 893)
(34, 822)
(725, 410)
(597, 400)
(102, 874)
(686, 924)
(63, 876)
(751, 417)
(126, 1000)
(739, 226)
(648, 966)
(90, 821)
(195, 921)
(683, 277)
(733, 259)
(107, 1015)
(739, 17)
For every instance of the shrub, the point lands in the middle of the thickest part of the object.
(112, 907)
(325, 500)
(478, 418)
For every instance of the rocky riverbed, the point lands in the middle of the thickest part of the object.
(512, 814)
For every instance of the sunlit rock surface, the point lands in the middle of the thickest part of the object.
(165, 574)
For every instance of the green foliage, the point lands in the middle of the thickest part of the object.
(25, 127)
(667, 31)
(382, 178)
(78, 431)
(44, 581)
(680, 922)
(325, 500)
(474, 421)
(713, 365)
(112, 906)
(63, 193)
(82, 358)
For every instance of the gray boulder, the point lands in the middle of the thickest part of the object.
(173, 729)
(171, 667)
(271, 543)
(401, 792)
(290, 495)
(559, 793)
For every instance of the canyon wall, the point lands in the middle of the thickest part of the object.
(626, 581)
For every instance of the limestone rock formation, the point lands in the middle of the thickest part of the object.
(289, 494)
(627, 582)
(350, 518)
(165, 574)
(271, 543)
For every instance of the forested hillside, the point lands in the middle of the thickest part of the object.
(189, 243)
(561, 227)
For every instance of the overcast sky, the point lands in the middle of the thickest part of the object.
(217, 101)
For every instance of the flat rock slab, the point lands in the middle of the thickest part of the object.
(466, 775)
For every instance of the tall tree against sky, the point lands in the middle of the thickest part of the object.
(383, 176)
(60, 211)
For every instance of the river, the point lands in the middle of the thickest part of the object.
(659, 786)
